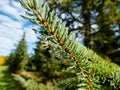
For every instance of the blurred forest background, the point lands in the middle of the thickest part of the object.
(95, 22)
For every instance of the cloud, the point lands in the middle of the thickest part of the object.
(12, 26)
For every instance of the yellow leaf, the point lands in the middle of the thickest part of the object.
(2, 60)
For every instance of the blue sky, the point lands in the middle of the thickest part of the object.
(12, 26)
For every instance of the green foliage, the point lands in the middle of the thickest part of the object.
(30, 84)
(42, 56)
(106, 39)
(10, 60)
(6, 80)
(18, 59)
(47, 65)
(93, 71)
(11, 56)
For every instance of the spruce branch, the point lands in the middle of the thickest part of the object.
(88, 61)
(39, 16)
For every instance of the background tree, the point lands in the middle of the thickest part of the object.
(106, 40)
(50, 67)
(95, 21)
(18, 59)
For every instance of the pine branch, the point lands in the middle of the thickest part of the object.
(88, 61)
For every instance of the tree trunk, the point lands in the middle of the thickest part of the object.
(87, 25)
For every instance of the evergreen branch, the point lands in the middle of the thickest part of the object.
(39, 16)
(88, 61)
